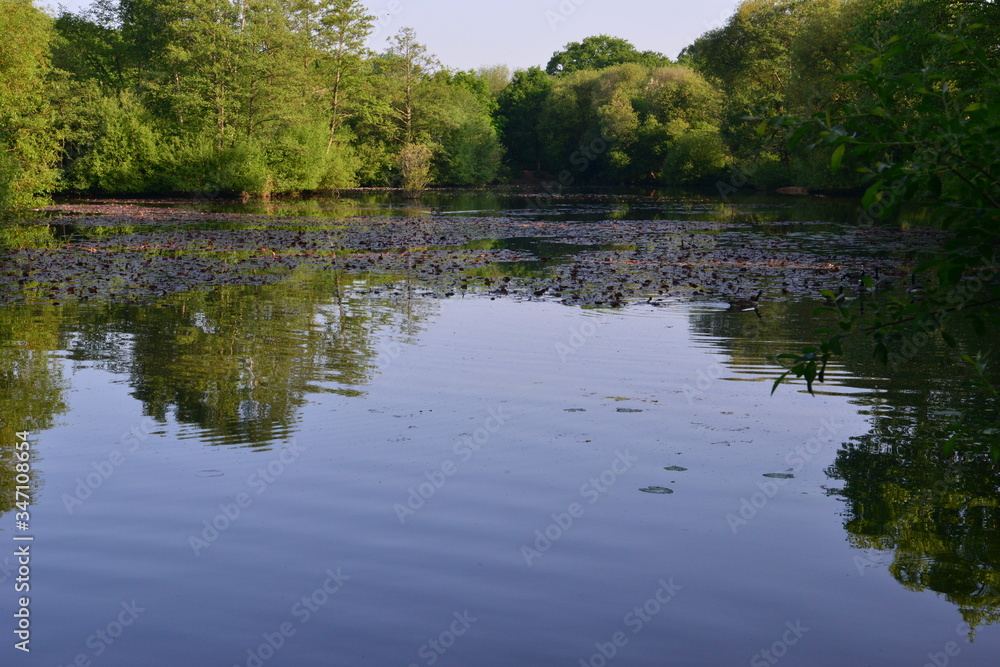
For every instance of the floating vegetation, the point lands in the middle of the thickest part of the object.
(140, 251)
(628, 410)
(779, 475)
(661, 490)
(675, 469)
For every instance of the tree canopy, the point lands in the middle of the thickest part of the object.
(265, 97)
(599, 52)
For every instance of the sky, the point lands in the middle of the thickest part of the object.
(465, 34)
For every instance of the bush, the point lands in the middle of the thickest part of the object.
(415, 167)
(28, 143)
(695, 154)
(117, 146)
(200, 166)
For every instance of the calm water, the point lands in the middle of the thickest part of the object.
(308, 473)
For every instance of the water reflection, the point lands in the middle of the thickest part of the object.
(937, 513)
(236, 363)
(32, 386)
(239, 366)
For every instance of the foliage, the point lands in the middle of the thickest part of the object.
(267, 96)
(632, 124)
(599, 52)
(415, 167)
(28, 142)
(777, 57)
(227, 96)
(930, 135)
(114, 144)
(519, 107)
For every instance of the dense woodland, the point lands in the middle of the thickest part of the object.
(281, 96)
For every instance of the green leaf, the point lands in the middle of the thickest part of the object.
(870, 194)
(838, 156)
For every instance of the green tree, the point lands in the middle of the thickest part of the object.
(458, 117)
(780, 57)
(407, 64)
(111, 144)
(599, 52)
(930, 136)
(339, 29)
(519, 108)
(496, 78)
(28, 142)
(91, 46)
(631, 124)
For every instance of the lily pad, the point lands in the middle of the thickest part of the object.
(575, 410)
(628, 410)
(675, 469)
(779, 475)
(661, 490)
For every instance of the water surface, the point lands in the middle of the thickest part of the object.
(344, 470)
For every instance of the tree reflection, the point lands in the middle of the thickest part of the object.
(31, 386)
(240, 362)
(937, 511)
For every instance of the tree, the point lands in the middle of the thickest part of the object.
(339, 29)
(28, 142)
(458, 117)
(632, 124)
(599, 52)
(91, 46)
(779, 57)
(923, 136)
(496, 78)
(408, 63)
(519, 108)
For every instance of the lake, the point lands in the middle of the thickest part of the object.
(478, 429)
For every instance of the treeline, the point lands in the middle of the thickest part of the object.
(602, 112)
(255, 96)
(278, 96)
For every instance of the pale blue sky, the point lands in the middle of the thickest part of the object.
(465, 34)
